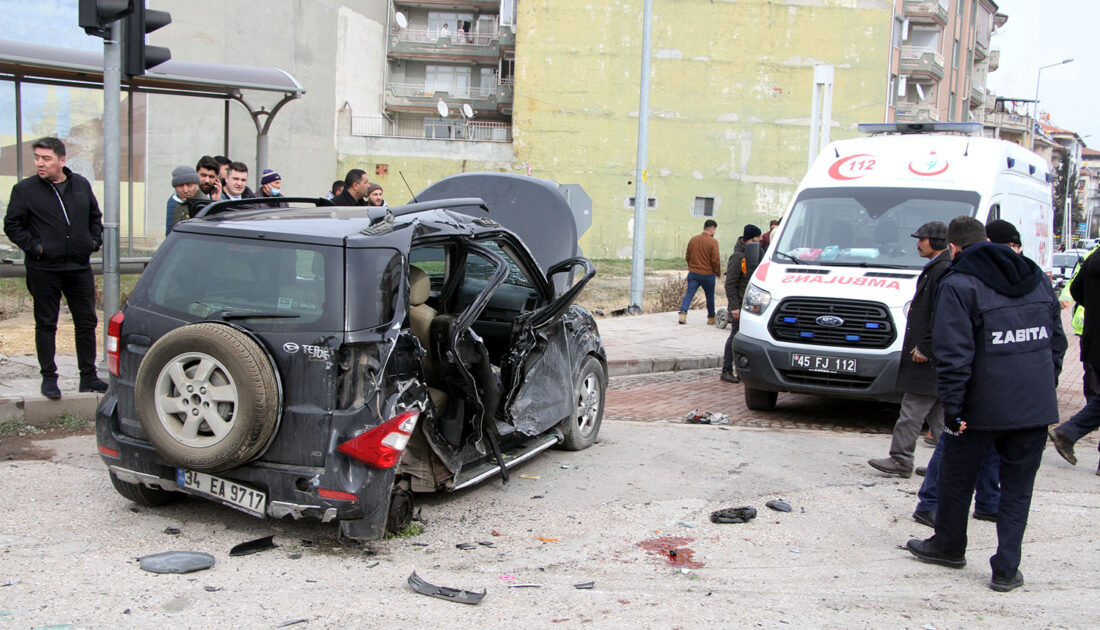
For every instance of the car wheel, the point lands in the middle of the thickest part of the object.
(721, 317)
(144, 495)
(400, 511)
(582, 428)
(760, 399)
(207, 397)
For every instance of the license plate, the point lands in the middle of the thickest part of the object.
(818, 363)
(224, 491)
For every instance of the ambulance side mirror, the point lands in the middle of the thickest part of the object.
(753, 253)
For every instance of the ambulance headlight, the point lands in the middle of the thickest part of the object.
(756, 300)
(905, 309)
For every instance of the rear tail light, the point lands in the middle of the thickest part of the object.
(382, 446)
(114, 341)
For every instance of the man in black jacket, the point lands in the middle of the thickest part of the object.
(737, 281)
(916, 376)
(356, 184)
(55, 219)
(998, 343)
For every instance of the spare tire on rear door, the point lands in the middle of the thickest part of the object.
(207, 397)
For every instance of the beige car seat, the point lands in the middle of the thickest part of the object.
(420, 321)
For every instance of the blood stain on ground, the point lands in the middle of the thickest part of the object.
(672, 548)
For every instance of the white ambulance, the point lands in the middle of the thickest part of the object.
(825, 310)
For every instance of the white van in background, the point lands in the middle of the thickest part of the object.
(825, 309)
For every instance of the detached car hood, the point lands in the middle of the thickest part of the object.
(532, 208)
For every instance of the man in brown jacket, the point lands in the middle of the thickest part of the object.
(704, 266)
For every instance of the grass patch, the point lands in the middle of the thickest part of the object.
(413, 529)
(16, 427)
(68, 422)
(622, 266)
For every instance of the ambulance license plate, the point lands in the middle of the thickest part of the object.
(230, 493)
(819, 363)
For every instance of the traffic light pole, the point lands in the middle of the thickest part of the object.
(112, 79)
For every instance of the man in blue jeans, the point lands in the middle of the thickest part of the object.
(704, 266)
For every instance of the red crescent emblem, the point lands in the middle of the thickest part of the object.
(864, 167)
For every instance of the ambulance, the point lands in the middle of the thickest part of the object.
(825, 309)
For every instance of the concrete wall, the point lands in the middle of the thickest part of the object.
(730, 106)
(336, 50)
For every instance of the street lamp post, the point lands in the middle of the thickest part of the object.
(1035, 104)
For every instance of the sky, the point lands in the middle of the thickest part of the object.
(1041, 33)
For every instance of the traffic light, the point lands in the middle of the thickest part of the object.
(95, 15)
(137, 57)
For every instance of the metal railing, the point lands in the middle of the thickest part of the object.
(426, 35)
(421, 90)
(435, 128)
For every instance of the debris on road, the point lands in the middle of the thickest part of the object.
(254, 546)
(706, 417)
(526, 476)
(176, 562)
(741, 514)
(291, 622)
(172, 531)
(546, 539)
(418, 584)
(584, 586)
(672, 548)
(779, 505)
(466, 546)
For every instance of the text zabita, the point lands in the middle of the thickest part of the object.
(1019, 335)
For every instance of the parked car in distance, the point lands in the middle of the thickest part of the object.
(1063, 265)
(326, 362)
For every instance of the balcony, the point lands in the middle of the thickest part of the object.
(431, 45)
(981, 48)
(916, 112)
(418, 97)
(432, 128)
(482, 6)
(921, 63)
(1007, 121)
(926, 11)
(994, 59)
(977, 96)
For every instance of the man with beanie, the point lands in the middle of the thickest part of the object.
(1004, 233)
(998, 342)
(704, 266)
(737, 281)
(186, 182)
(55, 219)
(271, 187)
(916, 376)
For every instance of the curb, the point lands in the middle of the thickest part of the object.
(37, 411)
(632, 367)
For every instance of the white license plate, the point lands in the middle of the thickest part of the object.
(224, 491)
(818, 363)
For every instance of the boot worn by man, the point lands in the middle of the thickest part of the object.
(683, 317)
(925, 517)
(1003, 585)
(891, 466)
(93, 384)
(925, 552)
(1062, 444)
(710, 321)
(50, 389)
(730, 377)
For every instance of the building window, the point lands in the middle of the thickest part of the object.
(651, 203)
(899, 31)
(454, 80)
(955, 59)
(703, 207)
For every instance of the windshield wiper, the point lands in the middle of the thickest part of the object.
(228, 315)
(795, 259)
(840, 263)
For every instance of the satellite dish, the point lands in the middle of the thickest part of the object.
(467, 111)
(402, 21)
(441, 107)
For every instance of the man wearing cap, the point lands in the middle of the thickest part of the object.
(271, 188)
(704, 266)
(737, 281)
(186, 182)
(916, 376)
(1004, 233)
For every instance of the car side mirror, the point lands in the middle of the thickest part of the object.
(753, 253)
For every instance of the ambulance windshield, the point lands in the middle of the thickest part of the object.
(867, 227)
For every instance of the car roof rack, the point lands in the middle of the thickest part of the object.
(378, 213)
(966, 128)
(254, 203)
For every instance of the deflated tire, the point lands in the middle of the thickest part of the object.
(207, 397)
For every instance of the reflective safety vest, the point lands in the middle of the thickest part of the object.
(1078, 310)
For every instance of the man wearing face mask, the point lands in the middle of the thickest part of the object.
(271, 187)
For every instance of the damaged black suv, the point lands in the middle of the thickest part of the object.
(328, 362)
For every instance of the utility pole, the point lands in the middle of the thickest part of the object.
(112, 80)
(637, 269)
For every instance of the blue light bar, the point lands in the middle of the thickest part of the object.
(872, 325)
(806, 334)
(851, 337)
(790, 320)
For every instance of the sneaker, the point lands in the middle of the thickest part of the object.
(925, 517)
(683, 318)
(93, 385)
(1063, 445)
(730, 377)
(710, 321)
(921, 471)
(1004, 585)
(985, 516)
(929, 440)
(925, 552)
(890, 466)
(50, 389)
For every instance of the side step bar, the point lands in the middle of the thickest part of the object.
(529, 449)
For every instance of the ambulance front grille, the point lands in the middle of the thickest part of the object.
(830, 322)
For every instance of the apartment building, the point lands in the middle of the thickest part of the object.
(942, 58)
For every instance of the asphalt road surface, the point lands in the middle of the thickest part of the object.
(607, 515)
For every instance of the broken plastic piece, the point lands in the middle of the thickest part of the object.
(523, 586)
(291, 622)
(585, 585)
(779, 505)
(741, 514)
(466, 546)
(254, 546)
(546, 539)
(417, 584)
(486, 543)
(172, 531)
(211, 589)
(525, 476)
(176, 562)
(706, 417)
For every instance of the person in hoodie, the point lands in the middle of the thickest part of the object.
(55, 219)
(737, 281)
(998, 342)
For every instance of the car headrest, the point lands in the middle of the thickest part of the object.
(420, 286)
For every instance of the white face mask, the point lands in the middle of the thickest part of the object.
(275, 191)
